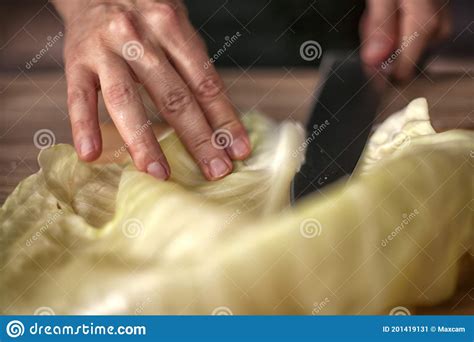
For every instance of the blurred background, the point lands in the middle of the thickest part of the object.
(272, 30)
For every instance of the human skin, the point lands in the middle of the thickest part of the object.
(102, 43)
(118, 46)
(387, 23)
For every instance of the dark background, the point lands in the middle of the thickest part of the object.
(272, 30)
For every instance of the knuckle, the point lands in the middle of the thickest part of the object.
(73, 61)
(177, 101)
(232, 125)
(143, 150)
(77, 96)
(164, 13)
(210, 88)
(122, 25)
(120, 94)
(139, 144)
(105, 8)
(201, 142)
(156, 63)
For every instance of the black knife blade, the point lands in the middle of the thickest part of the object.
(339, 124)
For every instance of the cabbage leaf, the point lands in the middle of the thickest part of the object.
(106, 239)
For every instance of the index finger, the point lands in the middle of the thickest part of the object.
(128, 113)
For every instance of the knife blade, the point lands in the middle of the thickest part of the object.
(339, 124)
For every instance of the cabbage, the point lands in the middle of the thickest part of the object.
(79, 238)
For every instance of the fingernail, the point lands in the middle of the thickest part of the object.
(218, 168)
(157, 170)
(239, 148)
(86, 147)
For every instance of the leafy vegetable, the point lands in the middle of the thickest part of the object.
(107, 239)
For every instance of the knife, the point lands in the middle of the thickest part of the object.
(339, 124)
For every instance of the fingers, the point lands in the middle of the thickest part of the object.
(125, 106)
(179, 108)
(82, 106)
(420, 21)
(189, 56)
(171, 96)
(208, 89)
(446, 25)
(379, 31)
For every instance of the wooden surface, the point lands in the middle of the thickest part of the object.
(30, 102)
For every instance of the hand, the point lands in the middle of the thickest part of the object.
(113, 46)
(394, 33)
